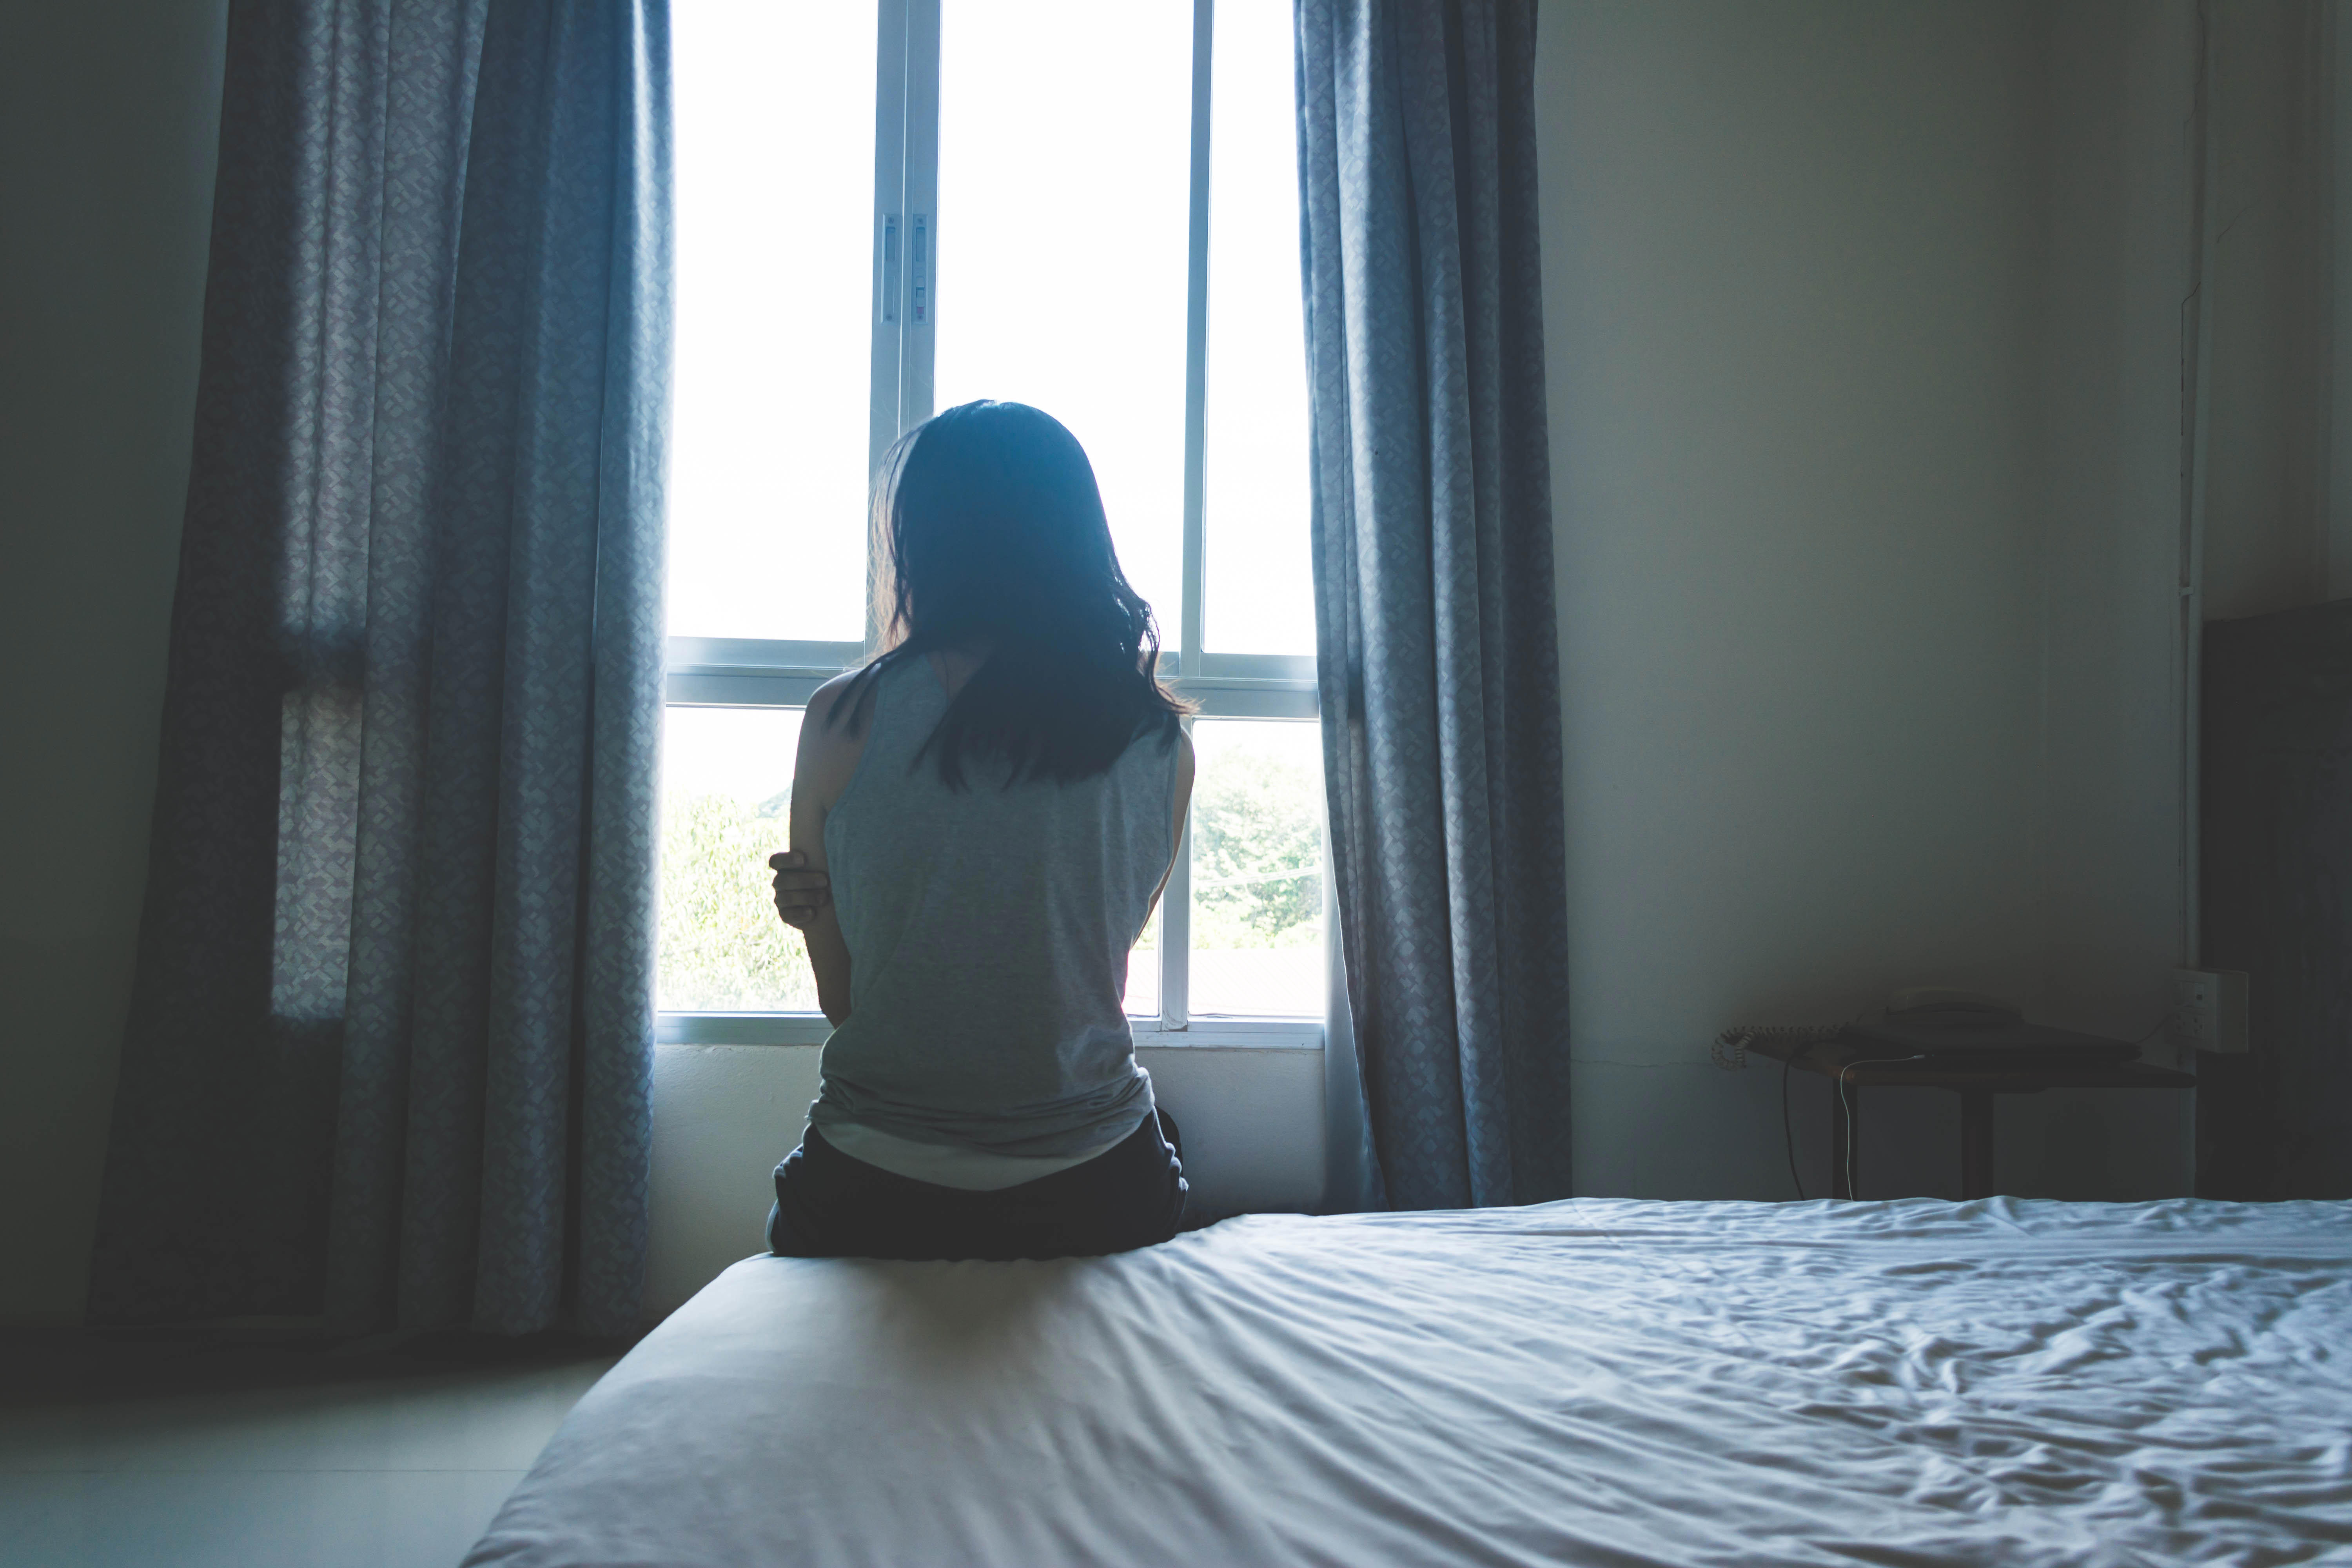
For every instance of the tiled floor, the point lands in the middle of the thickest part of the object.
(172, 1457)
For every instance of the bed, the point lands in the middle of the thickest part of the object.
(1589, 1382)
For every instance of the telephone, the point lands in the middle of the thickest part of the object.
(1928, 1003)
(1942, 1007)
(1932, 1019)
(1730, 1048)
(1942, 1024)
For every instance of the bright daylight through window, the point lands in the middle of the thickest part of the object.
(884, 209)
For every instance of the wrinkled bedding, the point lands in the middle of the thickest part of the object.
(1590, 1382)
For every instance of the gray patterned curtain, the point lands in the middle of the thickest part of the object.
(1434, 594)
(391, 1031)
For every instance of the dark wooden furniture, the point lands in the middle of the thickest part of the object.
(2018, 1072)
(2276, 827)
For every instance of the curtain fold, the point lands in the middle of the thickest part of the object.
(391, 1031)
(1433, 552)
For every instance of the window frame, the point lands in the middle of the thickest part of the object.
(741, 672)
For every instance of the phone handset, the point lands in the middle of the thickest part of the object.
(1951, 1008)
(1933, 1007)
(1729, 1049)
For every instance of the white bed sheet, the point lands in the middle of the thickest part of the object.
(1590, 1381)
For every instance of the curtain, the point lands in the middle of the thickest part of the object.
(389, 1046)
(1434, 594)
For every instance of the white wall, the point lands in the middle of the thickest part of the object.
(2121, 232)
(1792, 256)
(108, 118)
(2269, 544)
(1799, 276)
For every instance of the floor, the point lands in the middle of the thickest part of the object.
(190, 1456)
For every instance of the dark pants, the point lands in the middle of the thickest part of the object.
(831, 1206)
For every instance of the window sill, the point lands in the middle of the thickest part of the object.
(1235, 1034)
(810, 1029)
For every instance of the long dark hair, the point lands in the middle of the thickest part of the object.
(988, 525)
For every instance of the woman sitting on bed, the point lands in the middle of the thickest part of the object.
(983, 819)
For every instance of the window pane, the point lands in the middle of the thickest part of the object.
(1143, 974)
(727, 788)
(774, 152)
(1258, 597)
(1257, 869)
(1064, 157)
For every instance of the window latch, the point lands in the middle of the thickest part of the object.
(918, 256)
(890, 270)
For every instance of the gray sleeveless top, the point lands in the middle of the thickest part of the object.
(988, 933)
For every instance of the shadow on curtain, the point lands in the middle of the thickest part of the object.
(1438, 644)
(390, 1038)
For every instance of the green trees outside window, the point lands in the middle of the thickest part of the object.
(1257, 864)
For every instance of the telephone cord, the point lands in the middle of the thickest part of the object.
(1788, 1134)
(1846, 1106)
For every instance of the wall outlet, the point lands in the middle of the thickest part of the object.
(2209, 1009)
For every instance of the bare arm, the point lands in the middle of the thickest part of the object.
(828, 756)
(1176, 831)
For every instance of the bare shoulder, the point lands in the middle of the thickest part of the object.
(831, 743)
(822, 701)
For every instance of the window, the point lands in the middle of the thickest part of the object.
(896, 206)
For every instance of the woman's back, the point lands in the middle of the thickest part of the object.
(988, 930)
(969, 935)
